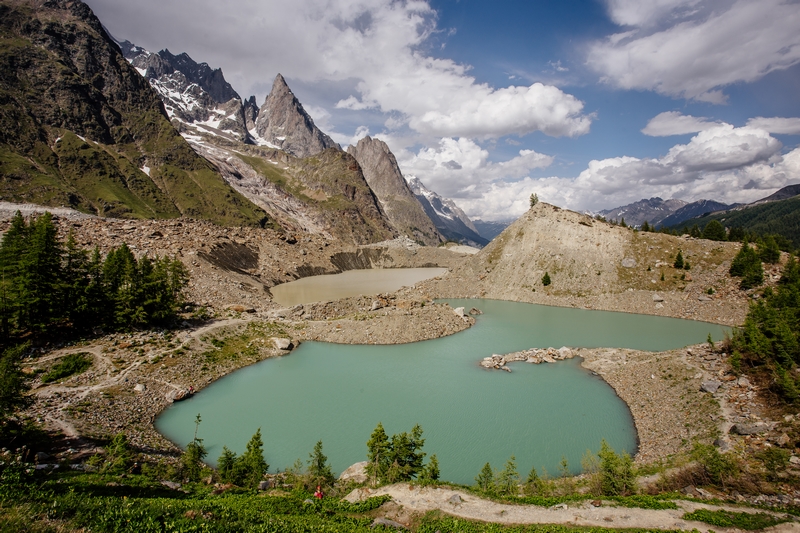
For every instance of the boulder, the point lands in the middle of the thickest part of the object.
(455, 499)
(386, 523)
(264, 485)
(356, 473)
(139, 387)
(475, 311)
(710, 386)
(282, 343)
(171, 484)
(629, 262)
(749, 429)
(658, 298)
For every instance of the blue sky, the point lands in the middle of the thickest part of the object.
(589, 103)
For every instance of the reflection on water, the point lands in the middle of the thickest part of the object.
(350, 283)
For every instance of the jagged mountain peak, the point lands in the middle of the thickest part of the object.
(284, 123)
(403, 209)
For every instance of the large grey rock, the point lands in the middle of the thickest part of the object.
(710, 386)
(387, 523)
(398, 201)
(455, 499)
(749, 429)
(658, 298)
(282, 121)
(629, 262)
(356, 473)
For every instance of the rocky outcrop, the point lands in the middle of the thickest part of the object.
(533, 355)
(398, 201)
(79, 127)
(449, 219)
(283, 122)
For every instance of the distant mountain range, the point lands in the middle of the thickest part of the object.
(449, 219)
(662, 213)
(490, 229)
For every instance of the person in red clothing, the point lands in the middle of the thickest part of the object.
(318, 495)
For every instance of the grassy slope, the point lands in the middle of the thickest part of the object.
(60, 77)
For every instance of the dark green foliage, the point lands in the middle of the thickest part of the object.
(616, 472)
(119, 455)
(251, 466)
(438, 522)
(714, 231)
(12, 384)
(747, 265)
(430, 472)
(226, 465)
(769, 251)
(776, 218)
(92, 502)
(71, 364)
(736, 234)
(622, 223)
(748, 521)
(48, 284)
(695, 232)
(678, 260)
(318, 467)
(395, 459)
(646, 226)
(546, 279)
(769, 335)
(485, 479)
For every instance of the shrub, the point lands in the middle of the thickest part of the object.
(717, 468)
(546, 279)
(71, 364)
(616, 472)
(534, 199)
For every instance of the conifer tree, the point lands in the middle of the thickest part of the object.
(534, 483)
(485, 479)
(646, 226)
(378, 454)
(714, 231)
(508, 478)
(678, 260)
(251, 466)
(226, 465)
(318, 467)
(546, 279)
(768, 251)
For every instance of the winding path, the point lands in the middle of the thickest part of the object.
(464, 505)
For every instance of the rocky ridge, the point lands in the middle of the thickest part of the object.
(398, 201)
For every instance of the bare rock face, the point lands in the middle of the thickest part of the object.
(283, 122)
(402, 208)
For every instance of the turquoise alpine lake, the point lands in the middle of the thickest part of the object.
(338, 393)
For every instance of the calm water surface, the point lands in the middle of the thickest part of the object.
(351, 283)
(338, 393)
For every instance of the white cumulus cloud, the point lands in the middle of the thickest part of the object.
(788, 126)
(722, 163)
(460, 168)
(676, 123)
(691, 49)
